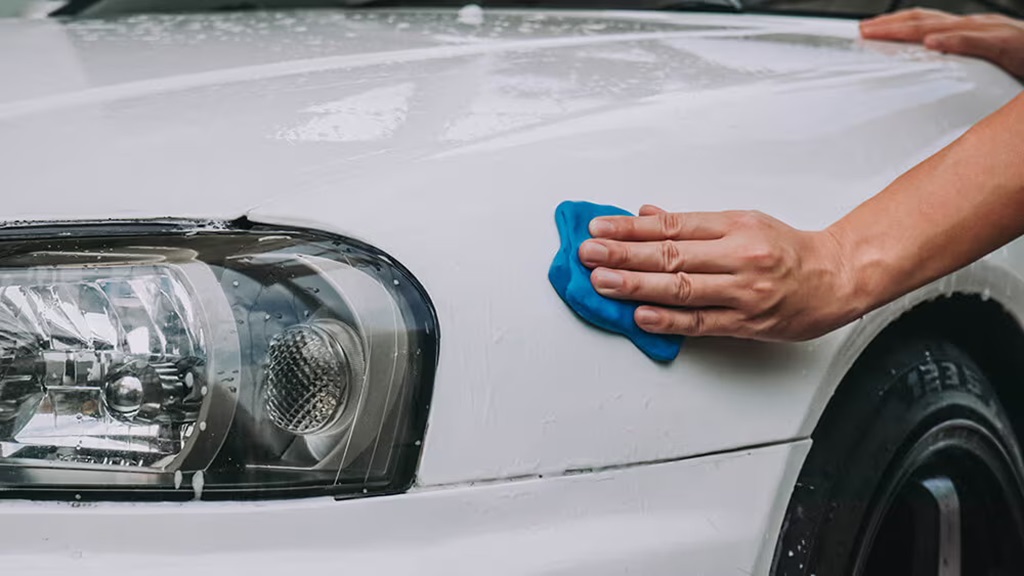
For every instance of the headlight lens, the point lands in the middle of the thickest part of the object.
(230, 363)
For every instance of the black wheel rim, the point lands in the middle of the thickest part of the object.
(952, 506)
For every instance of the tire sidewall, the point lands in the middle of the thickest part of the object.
(893, 396)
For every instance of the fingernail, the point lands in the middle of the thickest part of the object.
(599, 227)
(607, 279)
(872, 27)
(645, 316)
(593, 252)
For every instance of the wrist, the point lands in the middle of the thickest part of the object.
(856, 273)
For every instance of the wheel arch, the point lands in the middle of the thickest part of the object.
(979, 308)
(980, 326)
(966, 309)
(987, 330)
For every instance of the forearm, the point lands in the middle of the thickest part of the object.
(950, 210)
(749, 275)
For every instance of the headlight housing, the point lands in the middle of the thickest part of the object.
(169, 361)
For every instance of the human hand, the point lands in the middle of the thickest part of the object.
(993, 37)
(740, 274)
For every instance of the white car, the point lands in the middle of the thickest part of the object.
(274, 300)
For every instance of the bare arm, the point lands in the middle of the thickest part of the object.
(952, 209)
(748, 275)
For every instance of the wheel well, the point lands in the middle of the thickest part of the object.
(982, 328)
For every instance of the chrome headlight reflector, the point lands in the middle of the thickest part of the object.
(171, 362)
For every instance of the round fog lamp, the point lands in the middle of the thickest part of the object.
(311, 369)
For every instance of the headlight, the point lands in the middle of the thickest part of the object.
(142, 362)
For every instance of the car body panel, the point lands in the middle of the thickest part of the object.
(448, 144)
(702, 516)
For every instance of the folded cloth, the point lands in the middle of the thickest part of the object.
(571, 279)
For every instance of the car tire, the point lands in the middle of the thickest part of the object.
(914, 469)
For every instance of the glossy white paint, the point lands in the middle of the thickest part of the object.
(690, 518)
(449, 145)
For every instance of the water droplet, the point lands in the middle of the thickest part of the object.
(266, 317)
(78, 496)
(986, 294)
(198, 481)
(235, 283)
(202, 425)
(78, 416)
(177, 479)
(395, 282)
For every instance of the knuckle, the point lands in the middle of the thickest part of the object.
(683, 287)
(630, 284)
(762, 289)
(622, 227)
(911, 15)
(914, 27)
(671, 258)
(982, 18)
(618, 254)
(698, 323)
(918, 14)
(750, 219)
(671, 223)
(763, 257)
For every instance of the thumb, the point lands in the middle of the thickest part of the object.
(978, 44)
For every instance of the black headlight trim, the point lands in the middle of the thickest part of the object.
(15, 235)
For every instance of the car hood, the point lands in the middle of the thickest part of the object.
(211, 115)
(447, 140)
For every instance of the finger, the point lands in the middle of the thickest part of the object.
(694, 256)
(678, 289)
(979, 44)
(696, 322)
(912, 26)
(904, 17)
(650, 210)
(912, 31)
(663, 226)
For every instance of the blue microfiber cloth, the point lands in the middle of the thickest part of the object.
(571, 279)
